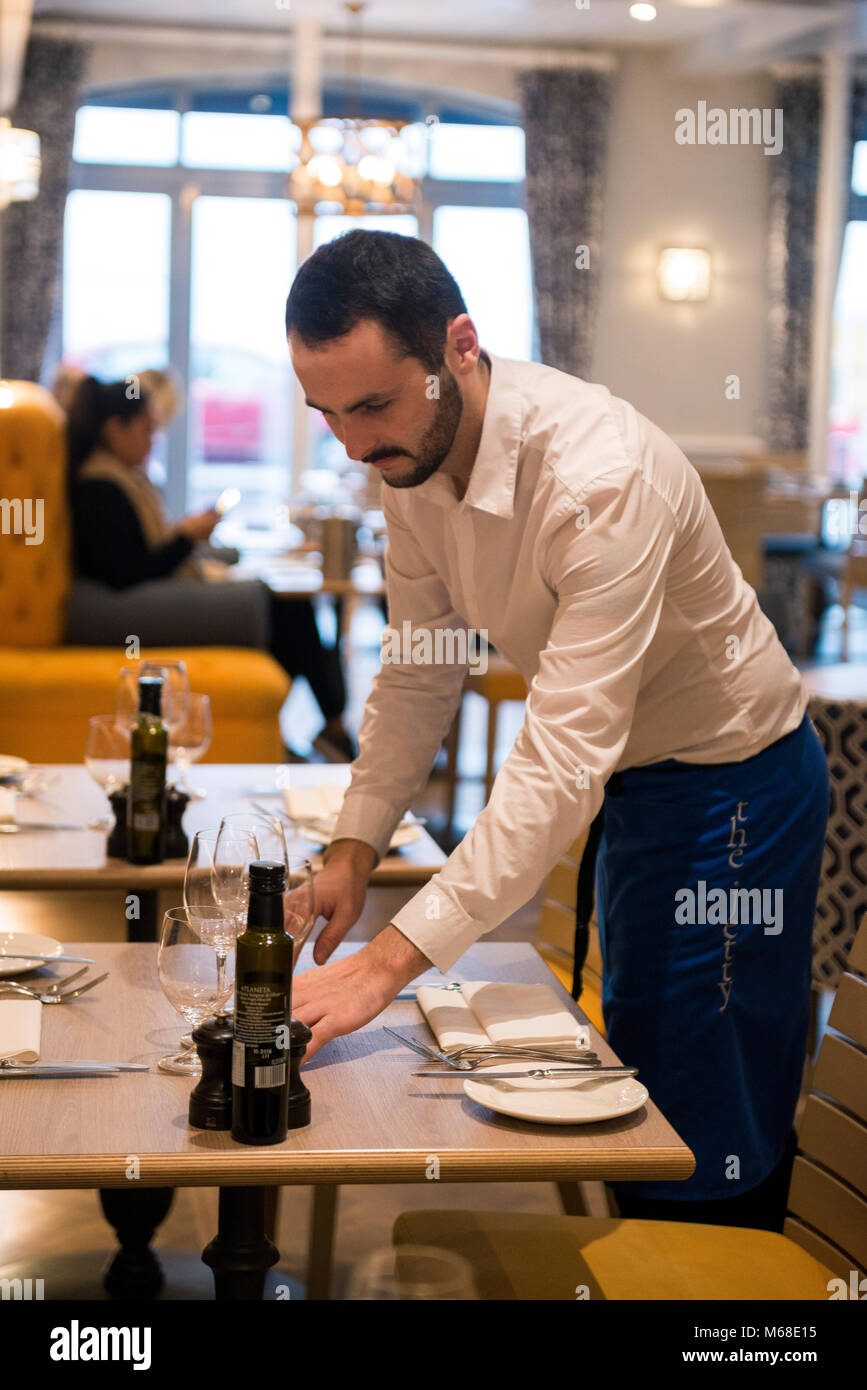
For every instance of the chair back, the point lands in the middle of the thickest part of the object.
(557, 933)
(35, 563)
(828, 1192)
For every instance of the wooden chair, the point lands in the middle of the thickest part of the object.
(500, 682)
(854, 577)
(557, 934)
(516, 1256)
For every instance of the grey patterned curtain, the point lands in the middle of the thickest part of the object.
(793, 178)
(33, 232)
(566, 127)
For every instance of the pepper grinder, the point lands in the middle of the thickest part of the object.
(299, 1096)
(211, 1101)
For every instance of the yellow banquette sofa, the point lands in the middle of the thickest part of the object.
(48, 690)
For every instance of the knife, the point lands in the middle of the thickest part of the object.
(36, 1071)
(36, 955)
(19, 826)
(84, 1066)
(589, 1073)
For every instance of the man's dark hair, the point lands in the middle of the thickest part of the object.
(396, 280)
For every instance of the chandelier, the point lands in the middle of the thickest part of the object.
(20, 164)
(357, 165)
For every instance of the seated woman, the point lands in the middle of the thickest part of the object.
(124, 540)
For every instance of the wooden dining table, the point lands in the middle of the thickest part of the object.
(372, 1120)
(76, 859)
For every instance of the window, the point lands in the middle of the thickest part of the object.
(125, 135)
(181, 245)
(240, 394)
(488, 252)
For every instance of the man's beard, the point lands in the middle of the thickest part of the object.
(437, 440)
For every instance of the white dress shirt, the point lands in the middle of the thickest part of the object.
(586, 548)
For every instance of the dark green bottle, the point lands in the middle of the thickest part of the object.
(263, 1013)
(146, 803)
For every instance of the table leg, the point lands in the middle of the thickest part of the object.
(320, 1245)
(135, 1214)
(145, 927)
(241, 1254)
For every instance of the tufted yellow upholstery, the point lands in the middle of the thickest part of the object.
(34, 579)
(48, 691)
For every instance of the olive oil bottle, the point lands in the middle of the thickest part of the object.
(263, 1013)
(146, 803)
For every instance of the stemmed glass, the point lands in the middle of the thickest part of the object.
(106, 757)
(175, 699)
(216, 887)
(191, 741)
(270, 841)
(190, 975)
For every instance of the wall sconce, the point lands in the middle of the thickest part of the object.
(20, 164)
(683, 273)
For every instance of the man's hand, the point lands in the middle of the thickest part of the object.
(340, 997)
(339, 890)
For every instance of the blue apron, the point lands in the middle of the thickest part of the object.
(706, 881)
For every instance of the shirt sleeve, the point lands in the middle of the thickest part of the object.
(414, 696)
(606, 556)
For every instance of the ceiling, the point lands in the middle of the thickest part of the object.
(506, 21)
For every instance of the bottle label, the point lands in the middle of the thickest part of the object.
(261, 1009)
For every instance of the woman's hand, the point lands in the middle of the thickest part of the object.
(198, 525)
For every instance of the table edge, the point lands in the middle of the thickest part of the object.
(261, 1168)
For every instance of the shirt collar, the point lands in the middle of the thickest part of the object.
(492, 480)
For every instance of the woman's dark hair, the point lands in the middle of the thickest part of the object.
(93, 403)
(396, 280)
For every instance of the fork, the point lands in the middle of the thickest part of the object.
(55, 998)
(463, 1064)
(529, 1050)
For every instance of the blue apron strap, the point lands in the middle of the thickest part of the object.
(584, 898)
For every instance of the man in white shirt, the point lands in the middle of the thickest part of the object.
(543, 512)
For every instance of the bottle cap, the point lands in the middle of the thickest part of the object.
(267, 876)
(150, 694)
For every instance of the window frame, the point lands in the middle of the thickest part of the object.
(178, 179)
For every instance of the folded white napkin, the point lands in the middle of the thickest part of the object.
(20, 1029)
(486, 1012)
(7, 804)
(313, 803)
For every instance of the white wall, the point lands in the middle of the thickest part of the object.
(671, 360)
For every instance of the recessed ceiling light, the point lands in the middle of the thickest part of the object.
(643, 12)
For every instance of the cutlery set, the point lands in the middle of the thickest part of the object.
(581, 1061)
(59, 993)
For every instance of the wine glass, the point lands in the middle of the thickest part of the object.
(268, 830)
(106, 757)
(175, 693)
(191, 977)
(299, 912)
(412, 1272)
(217, 889)
(191, 741)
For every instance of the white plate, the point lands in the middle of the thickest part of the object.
(8, 764)
(26, 941)
(570, 1101)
